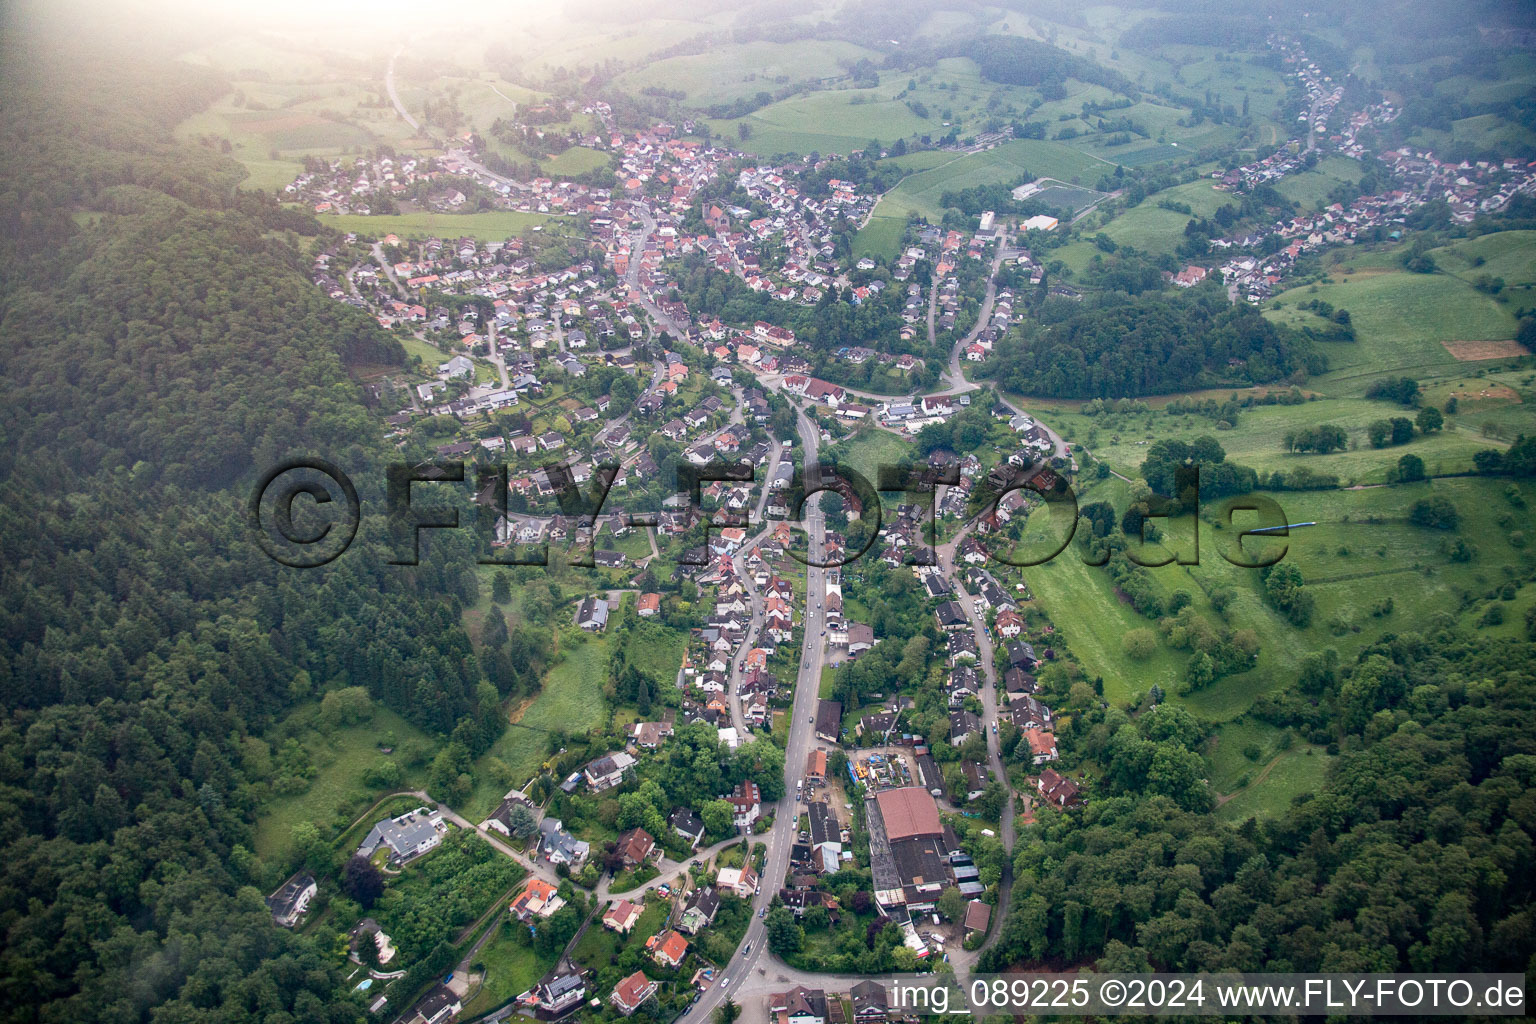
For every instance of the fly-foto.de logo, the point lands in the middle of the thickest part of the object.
(305, 513)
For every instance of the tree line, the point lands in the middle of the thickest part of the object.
(156, 360)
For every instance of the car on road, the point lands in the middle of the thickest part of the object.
(762, 911)
(724, 982)
(746, 949)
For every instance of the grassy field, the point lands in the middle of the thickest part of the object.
(833, 121)
(337, 791)
(1362, 550)
(570, 701)
(736, 71)
(288, 100)
(920, 161)
(880, 238)
(493, 226)
(1152, 228)
(929, 100)
(655, 649)
(510, 967)
(575, 161)
(1083, 606)
(430, 354)
(1312, 187)
(923, 190)
(866, 452)
(1266, 786)
(1257, 439)
(1400, 321)
(1507, 254)
(599, 945)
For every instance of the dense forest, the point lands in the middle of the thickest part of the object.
(1416, 855)
(162, 346)
(1014, 60)
(1156, 345)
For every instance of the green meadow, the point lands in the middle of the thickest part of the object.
(1362, 550)
(570, 701)
(1257, 439)
(1261, 786)
(510, 966)
(880, 238)
(1149, 227)
(922, 192)
(1310, 188)
(1401, 322)
(736, 71)
(337, 793)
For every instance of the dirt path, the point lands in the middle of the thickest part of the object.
(1258, 781)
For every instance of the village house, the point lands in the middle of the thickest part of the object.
(592, 614)
(667, 948)
(799, 1005)
(1057, 790)
(538, 899)
(606, 772)
(289, 903)
(635, 847)
(687, 825)
(631, 992)
(699, 910)
(622, 915)
(741, 881)
(746, 802)
(558, 993)
(557, 846)
(407, 837)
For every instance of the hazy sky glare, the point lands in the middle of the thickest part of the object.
(345, 24)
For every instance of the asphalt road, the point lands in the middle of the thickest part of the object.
(752, 955)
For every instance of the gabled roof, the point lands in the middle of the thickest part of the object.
(634, 990)
(622, 915)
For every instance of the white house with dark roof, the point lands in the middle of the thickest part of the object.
(408, 836)
(607, 771)
(592, 614)
(291, 900)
